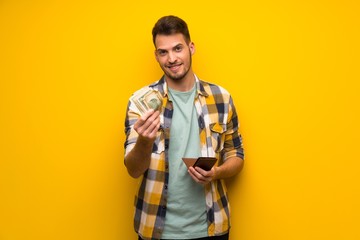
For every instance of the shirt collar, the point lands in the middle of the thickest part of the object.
(163, 88)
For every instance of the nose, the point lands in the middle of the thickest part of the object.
(171, 57)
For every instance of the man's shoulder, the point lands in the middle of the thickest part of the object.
(154, 85)
(157, 84)
(212, 88)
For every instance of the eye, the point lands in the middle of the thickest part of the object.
(161, 52)
(178, 48)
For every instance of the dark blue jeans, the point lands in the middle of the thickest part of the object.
(222, 237)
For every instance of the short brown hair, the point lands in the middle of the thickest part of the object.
(168, 25)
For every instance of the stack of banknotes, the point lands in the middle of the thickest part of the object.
(145, 99)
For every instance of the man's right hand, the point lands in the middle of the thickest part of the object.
(148, 125)
(137, 161)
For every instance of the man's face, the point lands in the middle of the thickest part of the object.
(174, 55)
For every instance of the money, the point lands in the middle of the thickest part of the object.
(146, 99)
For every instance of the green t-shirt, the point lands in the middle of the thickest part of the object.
(186, 207)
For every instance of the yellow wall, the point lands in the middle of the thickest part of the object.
(67, 69)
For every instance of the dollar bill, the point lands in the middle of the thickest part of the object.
(146, 99)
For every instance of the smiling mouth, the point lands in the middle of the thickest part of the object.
(174, 67)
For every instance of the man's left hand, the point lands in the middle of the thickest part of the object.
(202, 176)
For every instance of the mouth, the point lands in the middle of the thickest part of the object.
(174, 67)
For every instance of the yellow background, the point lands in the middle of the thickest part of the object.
(67, 69)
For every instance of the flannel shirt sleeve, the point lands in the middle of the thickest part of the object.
(130, 133)
(233, 145)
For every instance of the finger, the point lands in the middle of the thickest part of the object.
(151, 126)
(201, 171)
(151, 131)
(197, 176)
(147, 122)
(152, 119)
(143, 118)
(203, 175)
(155, 130)
(147, 114)
(193, 176)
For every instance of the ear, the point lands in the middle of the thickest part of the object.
(192, 48)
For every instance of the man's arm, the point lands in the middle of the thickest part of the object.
(137, 161)
(232, 153)
(229, 168)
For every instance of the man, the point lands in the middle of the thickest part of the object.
(196, 119)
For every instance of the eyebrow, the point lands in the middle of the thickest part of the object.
(177, 45)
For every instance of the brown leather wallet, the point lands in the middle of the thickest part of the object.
(205, 163)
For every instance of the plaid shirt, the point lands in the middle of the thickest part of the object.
(219, 137)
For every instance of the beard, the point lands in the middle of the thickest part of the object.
(177, 77)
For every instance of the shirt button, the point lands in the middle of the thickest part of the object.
(166, 187)
(202, 124)
(163, 207)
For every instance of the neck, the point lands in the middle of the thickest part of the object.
(182, 85)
